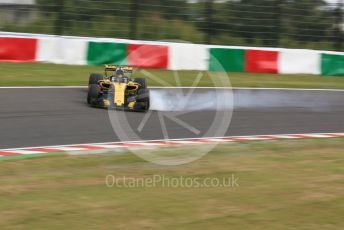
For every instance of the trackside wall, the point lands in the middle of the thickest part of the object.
(19, 47)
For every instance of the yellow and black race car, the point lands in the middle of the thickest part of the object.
(117, 90)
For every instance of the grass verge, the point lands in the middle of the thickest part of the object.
(287, 184)
(36, 74)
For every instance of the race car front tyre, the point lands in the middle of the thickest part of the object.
(142, 82)
(93, 93)
(143, 99)
(141, 106)
(95, 78)
(143, 95)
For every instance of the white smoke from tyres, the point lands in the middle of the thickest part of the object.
(228, 99)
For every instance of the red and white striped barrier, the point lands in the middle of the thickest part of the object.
(18, 47)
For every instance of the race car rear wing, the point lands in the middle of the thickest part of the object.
(127, 69)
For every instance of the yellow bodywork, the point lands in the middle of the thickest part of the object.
(131, 105)
(106, 102)
(119, 97)
(120, 89)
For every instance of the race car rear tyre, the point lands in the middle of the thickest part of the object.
(142, 82)
(95, 78)
(93, 93)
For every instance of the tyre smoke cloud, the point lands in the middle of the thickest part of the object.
(180, 100)
(227, 99)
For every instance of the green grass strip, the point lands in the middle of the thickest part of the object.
(34, 74)
(27, 156)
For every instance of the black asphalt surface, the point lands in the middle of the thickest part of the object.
(41, 117)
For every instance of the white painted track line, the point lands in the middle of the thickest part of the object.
(174, 87)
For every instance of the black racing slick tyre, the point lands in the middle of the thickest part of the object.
(143, 95)
(95, 78)
(143, 99)
(93, 93)
(142, 82)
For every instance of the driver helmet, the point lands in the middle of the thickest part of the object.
(119, 73)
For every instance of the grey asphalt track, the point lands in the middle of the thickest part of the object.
(41, 117)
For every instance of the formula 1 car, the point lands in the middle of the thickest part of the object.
(117, 90)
